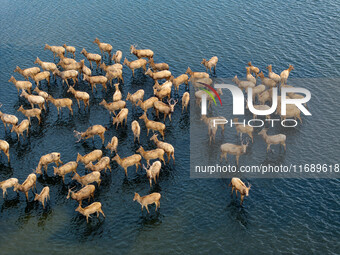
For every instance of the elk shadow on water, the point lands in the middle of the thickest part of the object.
(237, 212)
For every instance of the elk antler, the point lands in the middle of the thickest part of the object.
(77, 135)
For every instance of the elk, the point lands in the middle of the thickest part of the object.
(86, 70)
(92, 57)
(90, 157)
(273, 139)
(46, 66)
(265, 96)
(183, 78)
(158, 66)
(238, 185)
(135, 65)
(147, 104)
(115, 74)
(267, 81)
(196, 75)
(8, 119)
(87, 179)
(285, 74)
(162, 93)
(93, 80)
(117, 96)
(136, 130)
(113, 144)
(133, 98)
(103, 164)
(260, 107)
(29, 183)
(33, 99)
(243, 129)
(147, 200)
(47, 159)
(61, 103)
(21, 128)
(111, 68)
(153, 125)
(95, 207)
(141, 53)
(185, 101)
(23, 85)
(166, 109)
(35, 112)
(210, 121)
(151, 154)
(66, 169)
(4, 146)
(291, 112)
(122, 115)
(117, 57)
(80, 96)
(233, 149)
(165, 74)
(250, 77)
(273, 75)
(66, 61)
(84, 193)
(167, 147)
(77, 66)
(9, 183)
(70, 49)
(134, 159)
(200, 93)
(57, 50)
(43, 196)
(65, 75)
(27, 72)
(211, 63)
(253, 69)
(153, 171)
(91, 132)
(258, 90)
(243, 85)
(114, 106)
(104, 47)
(41, 93)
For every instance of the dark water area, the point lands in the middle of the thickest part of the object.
(292, 216)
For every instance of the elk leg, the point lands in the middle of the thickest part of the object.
(101, 211)
(125, 169)
(147, 208)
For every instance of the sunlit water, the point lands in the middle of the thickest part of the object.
(279, 216)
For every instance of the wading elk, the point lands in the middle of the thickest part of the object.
(104, 47)
(103, 164)
(146, 53)
(84, 193)
(9, 183)
(112, 146)
(167, 147)
(121, 116)
(28, 72)
(8, 119)
(165, 74)
(56, 50)
(147, 200)
(211, 63)
(273, 139)
(135, 65)
(87, 179)
(19, 129)
(23, 85)
(95, 207)
(90, 157)
(80, 96)
(66, 169)
(239, 186)
(153, 171)
(233, 149)
(152, 154)
(128, 161)
(114, 106)
(153, 125)
(166, 109)
(91, 132)
(35, 112)
(47, 159)
(92, 57)
(43, 196)
(158, 66)
(28, 184)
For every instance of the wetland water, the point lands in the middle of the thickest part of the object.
(293, 216)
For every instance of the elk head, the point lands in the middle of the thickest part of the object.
(172, 105)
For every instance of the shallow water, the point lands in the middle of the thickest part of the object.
(280, 216)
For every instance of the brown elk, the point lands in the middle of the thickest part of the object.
(239, 186)
(91, 132)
